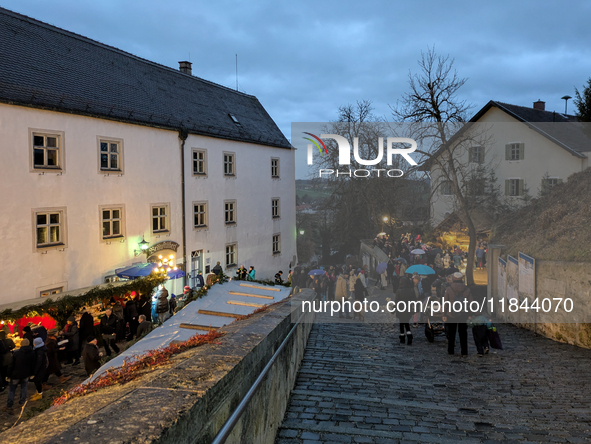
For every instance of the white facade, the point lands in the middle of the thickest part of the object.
(71, 200)
(541, 158)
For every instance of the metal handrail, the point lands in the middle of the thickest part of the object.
(228, 426)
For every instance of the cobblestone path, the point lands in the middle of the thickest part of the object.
(357, 384)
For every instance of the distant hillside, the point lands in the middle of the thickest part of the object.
(554, 227)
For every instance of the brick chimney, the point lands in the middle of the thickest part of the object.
(185, 67)
(537, 105)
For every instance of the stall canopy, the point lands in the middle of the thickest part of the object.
(141, 270)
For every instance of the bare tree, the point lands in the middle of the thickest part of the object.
(436, 118)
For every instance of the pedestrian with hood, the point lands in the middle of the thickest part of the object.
(19, 372)
(72, 334)
(41, 364)
(92, 356)
(457, 291)
(53, 363)
(404, 296)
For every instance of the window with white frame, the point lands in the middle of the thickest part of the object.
(276, 243)
(229, 164)
(274, 168)
(476, 154)
(275, 207)
(514, 151)
(112, 222)
(47, 151)
(200, 214)
(110, 155)
(231, 255)
(51, 292)
(160, 218)
(230, 211)
(199, 162)
(514, 187)
(446, 188)
(49, 228)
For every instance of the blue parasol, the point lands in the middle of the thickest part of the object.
(421, 269)
(381, 267)
(316, 272)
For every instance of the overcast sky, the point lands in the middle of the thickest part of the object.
(305, 59)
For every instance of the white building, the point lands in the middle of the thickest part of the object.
(102, 149)
(528, 149)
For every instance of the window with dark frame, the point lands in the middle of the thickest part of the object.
(112, 222)
(275, 208)
(46, 151)
(446, 188)
(110, 155)
(51, 292)
(49, 228)
(477, 154)
(200, 215)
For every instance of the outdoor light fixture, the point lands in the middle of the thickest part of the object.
(143, 247)
(385, 218)
(302, 232)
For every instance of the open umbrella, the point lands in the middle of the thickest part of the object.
(401, 259)
(381, 234)
(421, 269)
(418, 251)
(381, 267)
(436, 251)
(316, 272)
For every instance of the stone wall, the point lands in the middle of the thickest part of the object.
(189, 400)
(554, 279)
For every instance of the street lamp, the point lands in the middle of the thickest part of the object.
(143, 247)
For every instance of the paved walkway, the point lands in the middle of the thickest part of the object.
(357, 384)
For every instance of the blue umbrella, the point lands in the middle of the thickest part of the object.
(401, 259)
(316, 272)
(381, 267)
(421, 269)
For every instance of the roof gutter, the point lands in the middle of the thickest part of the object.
(183, 134)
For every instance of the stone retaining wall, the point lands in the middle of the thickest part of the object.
(189, 400)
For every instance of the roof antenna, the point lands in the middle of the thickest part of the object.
(236, 72)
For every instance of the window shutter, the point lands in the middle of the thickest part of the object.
(507, 187)
(470, 154)
(520, 184)
(521, 148)
(507, 152)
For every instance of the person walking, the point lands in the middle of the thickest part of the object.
(480, 257)
(41, 364)
(341, 293)
(162, 307)
(457, 291)
(72, 334)
(53, 363)
(405, 294)
(85, 329)
(109, 328)
(19, 372)
(131, 315)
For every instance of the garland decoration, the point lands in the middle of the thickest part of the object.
(135, 366)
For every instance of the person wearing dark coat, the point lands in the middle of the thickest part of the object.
(19, 372)
(144, 328)
(41, 365)
(109, 328)
(162, 305)
(40, 332)
(92, 356)
(405, 294)
(132, 314)
(144, 306)
(360, 291)
(28, 334)
(217, 269)
(118, 311)
(278, 277)
(54, 366)
(85, 329)
(6, 347)
(457, 291)
(72, 334)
